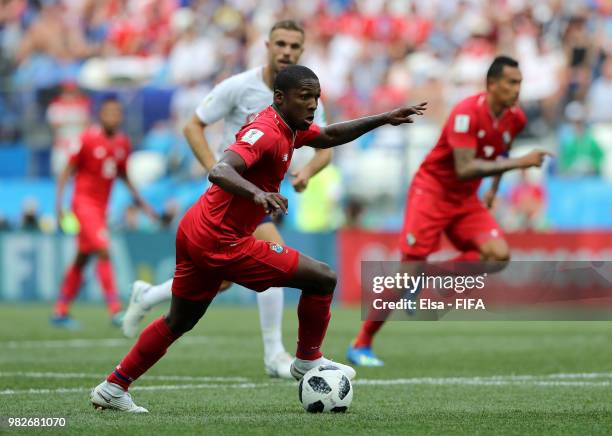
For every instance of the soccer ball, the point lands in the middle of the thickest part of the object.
(325, 388)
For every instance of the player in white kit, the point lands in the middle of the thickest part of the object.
(237, 100)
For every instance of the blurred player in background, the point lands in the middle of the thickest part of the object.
(442, 198)
(101, 158)
(215, 241)
(236, 101)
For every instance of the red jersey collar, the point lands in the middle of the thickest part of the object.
(482, 102)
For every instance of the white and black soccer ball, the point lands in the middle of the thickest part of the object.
(325, 388)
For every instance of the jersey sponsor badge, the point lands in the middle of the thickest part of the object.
(276, 248)
(252, 136)
(410, 239)
(506, 137)
(99, 152)
(462, 123)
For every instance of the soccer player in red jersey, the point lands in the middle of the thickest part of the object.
(442, 198)
(215, 241)
(101, 158)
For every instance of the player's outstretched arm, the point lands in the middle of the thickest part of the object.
(341, 133)
(194, 133)
(227, 174)
(467, 166)
(59, 194)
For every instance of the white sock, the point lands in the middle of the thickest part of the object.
(157, 294)
(270, 304)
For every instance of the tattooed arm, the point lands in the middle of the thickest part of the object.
(468, 166)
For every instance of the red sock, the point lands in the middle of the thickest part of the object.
(107, 280)
(376, 318)
(69, 290)
(313, 316)
(366, 334)
(148, 349)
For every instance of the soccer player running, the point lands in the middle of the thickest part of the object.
(236, 100)
(215, 241)
(101, 158)
(442, 198)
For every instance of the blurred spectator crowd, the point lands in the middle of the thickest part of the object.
(163, 56)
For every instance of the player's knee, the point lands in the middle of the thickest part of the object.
(180, 326)
(499, 252)
(327, 279)
(81, 260)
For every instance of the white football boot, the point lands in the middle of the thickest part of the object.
(300, 367)
(280, 366)
(136, 309)
(112, 396)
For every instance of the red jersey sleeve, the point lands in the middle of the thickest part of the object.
(462, 127)
(305, 136)
(253, 142)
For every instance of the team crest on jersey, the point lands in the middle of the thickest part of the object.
(506, 137)
(276, 248)
(410, 239)
(488, 150)
(252, 136)
(99, 152)
(462, 123)
(481, 134)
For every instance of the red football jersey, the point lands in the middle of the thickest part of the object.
(266, 144)
(472, 125)
(98, 162)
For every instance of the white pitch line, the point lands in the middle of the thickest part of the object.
(479, 382)
(138, 388)
(72, 375)
(544, 380)
(401, 381)
(87, 343)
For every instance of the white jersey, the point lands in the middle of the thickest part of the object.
(237, 100)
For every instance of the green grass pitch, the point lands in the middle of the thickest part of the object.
(440, 377)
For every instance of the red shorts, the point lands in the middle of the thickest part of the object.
(257, 265)
(93, 233)
(467, 224)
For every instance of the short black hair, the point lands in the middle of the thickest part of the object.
(109, 97)
(287, 25)
(292, 76)
(497, 67)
